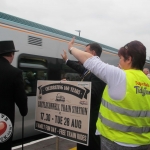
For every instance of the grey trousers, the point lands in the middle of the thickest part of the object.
(109, 145)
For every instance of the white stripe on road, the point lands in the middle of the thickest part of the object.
(33, 142)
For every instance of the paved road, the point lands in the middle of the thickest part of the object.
(48, 143)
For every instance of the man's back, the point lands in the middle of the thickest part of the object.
(11, 92)
(10, 79)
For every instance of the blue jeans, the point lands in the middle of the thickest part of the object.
(106, 144)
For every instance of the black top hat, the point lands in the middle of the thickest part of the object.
(7, 46)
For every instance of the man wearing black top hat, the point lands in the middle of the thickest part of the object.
(11, 92)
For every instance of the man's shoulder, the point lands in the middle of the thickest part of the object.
(14, 69)
(71, 62)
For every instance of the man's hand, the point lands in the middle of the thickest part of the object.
(64, 56)
(70, 44)
(63, 80)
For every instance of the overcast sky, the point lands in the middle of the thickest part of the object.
(110, 22)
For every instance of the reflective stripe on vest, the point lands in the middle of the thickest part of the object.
(123, 128)
(126, 112)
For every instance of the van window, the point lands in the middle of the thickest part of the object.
(69, 74)
(33, 69)
(30, 77)
(43, 68)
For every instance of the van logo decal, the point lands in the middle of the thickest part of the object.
(5, 128)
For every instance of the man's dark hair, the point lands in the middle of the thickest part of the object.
(7, 54)
(95, 47)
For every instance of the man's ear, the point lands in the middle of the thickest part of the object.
(94, 53)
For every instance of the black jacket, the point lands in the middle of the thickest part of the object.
(96, 95)
(11, 91)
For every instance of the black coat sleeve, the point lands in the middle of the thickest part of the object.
(76, 66)
(20, 95)
(97, 89)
